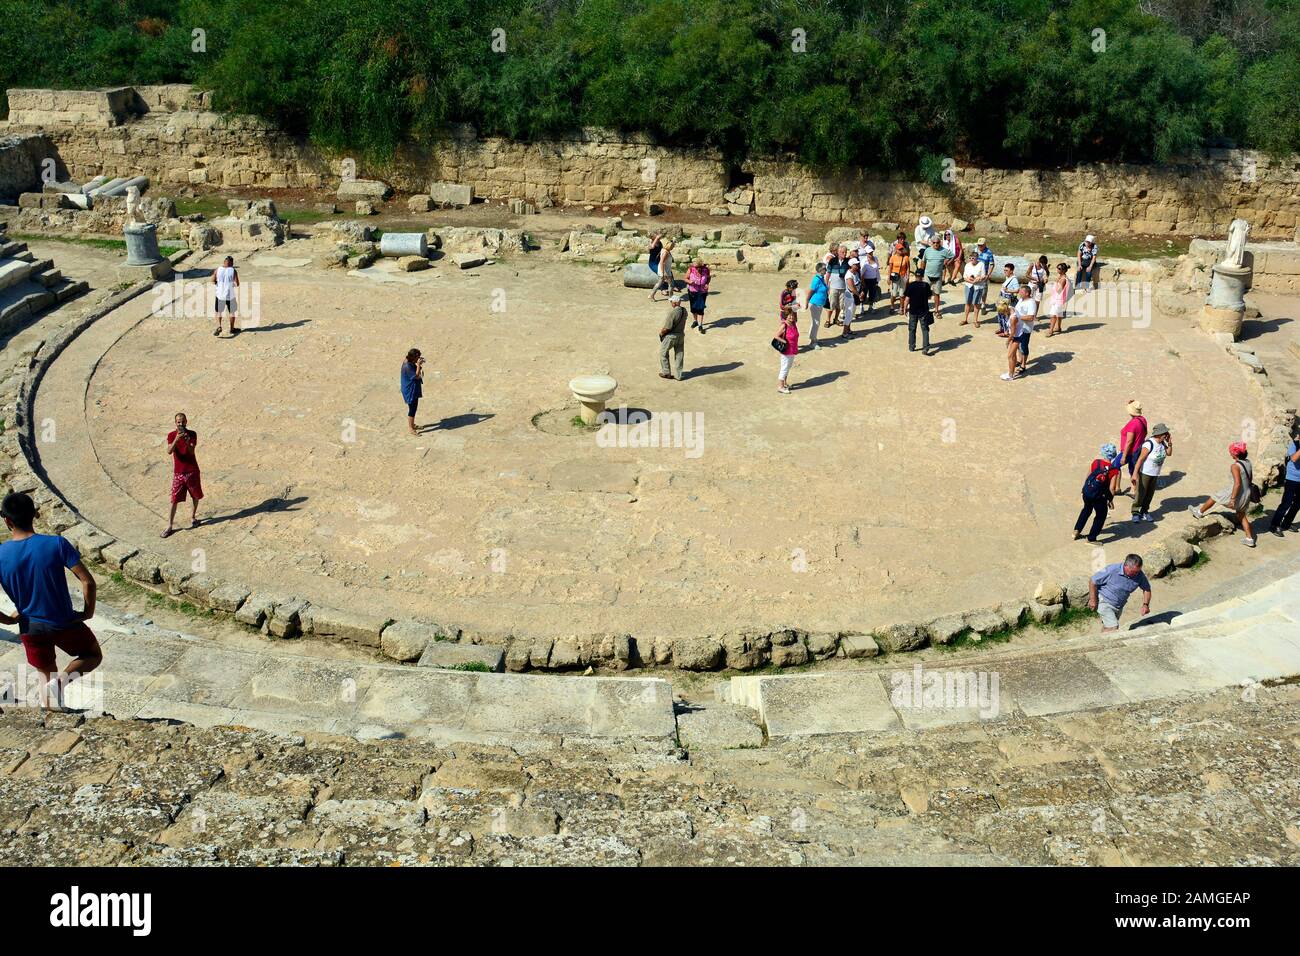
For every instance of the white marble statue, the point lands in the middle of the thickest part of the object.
(1236, 254)
(133, 205)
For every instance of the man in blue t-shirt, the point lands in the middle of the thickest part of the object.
(32, 575)
(1109, 590)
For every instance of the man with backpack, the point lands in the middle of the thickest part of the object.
(1097, 497)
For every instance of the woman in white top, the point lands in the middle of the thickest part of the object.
(1019, 330)
(226, 278)
(665, 269)
(1146, 474)
(1038, 277)
(1059, 295)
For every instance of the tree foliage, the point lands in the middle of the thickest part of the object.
(891, 85)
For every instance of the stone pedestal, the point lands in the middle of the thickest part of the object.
(1225, 307)
(592, 392)
(143, 259)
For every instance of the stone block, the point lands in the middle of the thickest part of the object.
(468, 260)
(342, 625)
(901, 637)
(143, 567)
(859, 645)
(1049, 592)
(406, 640)
(228, 597)
(351, 190)
(285, 619)
(823, 646)
(943, 629)
(117, 554)
(697, 653)
(255, 609)
(448, 654)
(451, 194)
(419, 203)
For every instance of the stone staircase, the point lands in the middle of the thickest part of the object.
(29, 286)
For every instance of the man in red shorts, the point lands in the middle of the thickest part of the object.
(185, 471)
(31, 573)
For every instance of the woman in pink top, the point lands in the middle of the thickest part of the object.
(790, 332)
(1131, 437)
(697, 289)
(1060, 294)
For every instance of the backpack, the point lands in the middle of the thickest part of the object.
(1095, 485)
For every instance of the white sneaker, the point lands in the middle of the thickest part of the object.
(1248, 542)
(784, 391)
(1148, 517)
(1195, 510)
(1007, 377)
(1137, 518)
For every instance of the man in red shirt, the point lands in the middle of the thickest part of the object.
(185, 471)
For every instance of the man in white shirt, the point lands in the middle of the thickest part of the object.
(226, 278)
(1021, 328)
(924, 232)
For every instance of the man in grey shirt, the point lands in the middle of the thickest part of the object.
(672, 339)
(1109, 590)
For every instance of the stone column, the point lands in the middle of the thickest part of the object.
(1225, 307)
(399, 244)
(143, 258)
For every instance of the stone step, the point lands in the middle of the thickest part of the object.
(1237, 643)
(14, 271)
(51, 278)
(70, 290)
(153, 675)
(20, 302)
(10, 249)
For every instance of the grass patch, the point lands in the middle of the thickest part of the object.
(577, 422)
(963, 638)
(188, 608)
(210, 207)
(97, 242)
(477, 667)
(1202, 559)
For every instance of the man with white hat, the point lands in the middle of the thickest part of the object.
(924, 232)
(1085, 277)
(672, 338)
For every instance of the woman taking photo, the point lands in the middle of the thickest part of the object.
(412, 386)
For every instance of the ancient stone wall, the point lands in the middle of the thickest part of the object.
(168, 134)
(20, 163)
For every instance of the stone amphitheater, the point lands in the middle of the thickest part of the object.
(847, 626)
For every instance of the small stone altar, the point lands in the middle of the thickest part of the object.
(1230, 280)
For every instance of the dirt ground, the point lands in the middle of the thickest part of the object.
(887, 486)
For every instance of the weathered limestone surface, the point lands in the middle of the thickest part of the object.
(1095, 789)
(165, 133)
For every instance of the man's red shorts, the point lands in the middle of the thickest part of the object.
(75, 641)
(186, 481)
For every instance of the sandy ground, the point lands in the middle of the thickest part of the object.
(888, 485)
